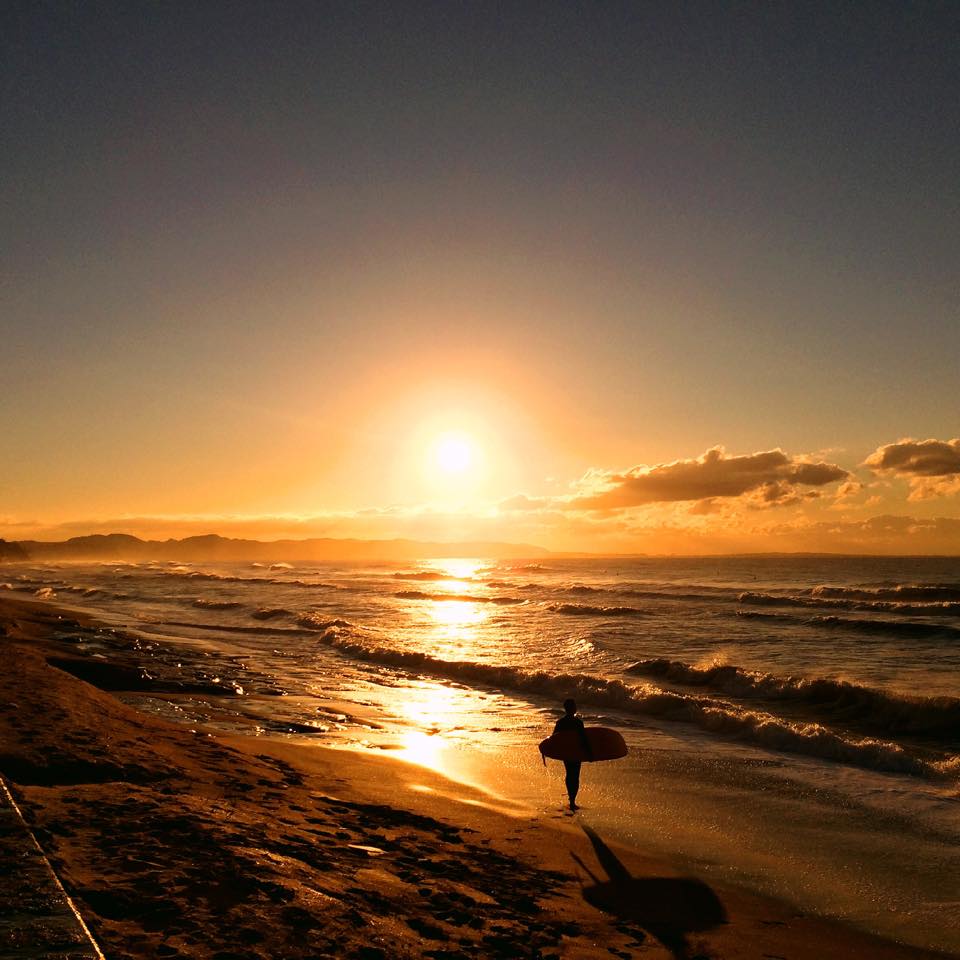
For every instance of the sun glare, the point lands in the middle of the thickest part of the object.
(453, 453)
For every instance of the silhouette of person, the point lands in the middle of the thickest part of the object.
(570, 721)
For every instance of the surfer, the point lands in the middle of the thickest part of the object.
(570, 721)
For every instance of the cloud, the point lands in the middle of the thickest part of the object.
(849, 489)
(521, 502)
(887, 533)
(769, 478)
(924, 458)
(932, 467)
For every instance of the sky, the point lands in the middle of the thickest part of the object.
(670, 277)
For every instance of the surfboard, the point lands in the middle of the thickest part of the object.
(605, 744)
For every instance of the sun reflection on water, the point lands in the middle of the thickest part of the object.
(452, 630)
(461, 572)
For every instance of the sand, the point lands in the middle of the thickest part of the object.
(183, 842)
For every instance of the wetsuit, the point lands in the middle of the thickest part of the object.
(571, 722)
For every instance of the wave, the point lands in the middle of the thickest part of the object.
(316, 621)
(686, 592)
(754, 727)
(932, 608)
(268, 613)
(464, 597)
(948, 592)
(898, 628)
(216, 604)
(844, 700)
(232, 578)
(281, 566)
(426, 575)
(229, 627)
(585, 610)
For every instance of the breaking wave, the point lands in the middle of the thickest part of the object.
(465, 597)
(754, 727)
(585, 610)
(940, 592)
(688, 592)
(230, 628)
(216, 604)
(268, 613)
(843, 700)
(932, 608)
(897, 628)
(430, 575)
(230, 578)
(316, 621)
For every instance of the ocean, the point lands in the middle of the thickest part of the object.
(794, 722)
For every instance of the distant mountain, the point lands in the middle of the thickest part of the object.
(11, 551)
(122, 546)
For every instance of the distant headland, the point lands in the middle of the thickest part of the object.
(122, 546)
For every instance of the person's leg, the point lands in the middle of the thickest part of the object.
(572, 781)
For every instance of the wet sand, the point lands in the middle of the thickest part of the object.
(183, 842)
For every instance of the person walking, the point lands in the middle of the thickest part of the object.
(570, 721)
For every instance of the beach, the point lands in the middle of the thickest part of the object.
(176, 840)
(383, 383)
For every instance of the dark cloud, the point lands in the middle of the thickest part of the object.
(917, 458)
(771, 478)
(931, 466)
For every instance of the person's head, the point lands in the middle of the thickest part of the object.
(570, 706)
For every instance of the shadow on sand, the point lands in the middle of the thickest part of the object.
(670, 908)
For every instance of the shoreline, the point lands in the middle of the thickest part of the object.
(183, 842)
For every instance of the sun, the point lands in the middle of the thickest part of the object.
(453, 453)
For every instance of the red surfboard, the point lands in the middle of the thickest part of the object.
(605, 744)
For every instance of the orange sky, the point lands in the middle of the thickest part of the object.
(248, 280)
(528, 465)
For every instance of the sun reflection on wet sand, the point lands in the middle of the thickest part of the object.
(512, 808)
(436, 720)
(422, 748)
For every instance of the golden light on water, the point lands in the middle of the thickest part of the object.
(455, 623)
(454, 617)
(432, 711)
(458, 569)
